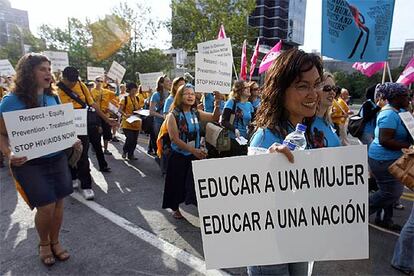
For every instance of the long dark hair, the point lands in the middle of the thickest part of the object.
(286, 68)
(25, 86)
(160, 87)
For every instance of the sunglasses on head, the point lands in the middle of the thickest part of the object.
(329, 88)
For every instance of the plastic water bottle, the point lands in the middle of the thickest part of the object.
(296, 140)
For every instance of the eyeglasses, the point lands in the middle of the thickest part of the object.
(99, 81)
(329, 88)
(302, 88)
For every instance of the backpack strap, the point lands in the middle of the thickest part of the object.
(72, 94)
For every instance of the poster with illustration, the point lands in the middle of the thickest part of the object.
(356, 30)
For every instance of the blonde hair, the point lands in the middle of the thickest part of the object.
(327, 115)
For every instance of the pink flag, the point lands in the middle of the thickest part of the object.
(243, 65)
(270, 57)
(222, 33)
(254, 58)
(407, 76)
(368, 68)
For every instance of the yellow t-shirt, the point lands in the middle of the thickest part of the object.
(133, 104)
(83, 93)
(102, 98)
(339, 109)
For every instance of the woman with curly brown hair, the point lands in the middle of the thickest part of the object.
(43, 182)
(290, 96)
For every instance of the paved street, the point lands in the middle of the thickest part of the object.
(124, 231)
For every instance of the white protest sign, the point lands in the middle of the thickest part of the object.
(408, 120)
(213, 73)
(94, 72)
(219, 47)
(116, 72)
(149, 80)
(261, 209)
(81, 121)
(39, 131)
(6, 69)
(59, 60)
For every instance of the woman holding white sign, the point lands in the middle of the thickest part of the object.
(43, 182)
(184, 132)
(289, 97)
(129, 104)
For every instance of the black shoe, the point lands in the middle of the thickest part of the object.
(389, 225)
(132, 157)
(115, 139)
(406, 272)
(107, 169)
(124, 155)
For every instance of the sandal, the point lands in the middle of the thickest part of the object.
(47, 259)
(177, 214)
(62, 255)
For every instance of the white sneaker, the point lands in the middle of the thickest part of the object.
(88, 194)
(75, 183)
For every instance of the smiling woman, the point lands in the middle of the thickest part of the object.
(290, 96)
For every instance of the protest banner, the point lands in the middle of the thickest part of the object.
(408, 120)
(219, 47)
(94, 72)
(39, 131)
(149, 80)
(59, 60)
(356, 30)
(261, 209)
(80, 117)
(213, 73)
(6, 69)
(116, 72)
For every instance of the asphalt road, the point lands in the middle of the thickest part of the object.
(124, 231)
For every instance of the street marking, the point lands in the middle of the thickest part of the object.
(407, 198)
(384, 230)
(175, 252)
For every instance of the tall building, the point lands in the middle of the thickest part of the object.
(279, 20)
(12, 22)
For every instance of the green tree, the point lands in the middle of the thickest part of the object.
(196, 21)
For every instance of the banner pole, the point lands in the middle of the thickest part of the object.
(383, 72)
(389, 72)
(235, 72)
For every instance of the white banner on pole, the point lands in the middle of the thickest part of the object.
(149, 80)
(408, 120)
(94, 72)
(261, 209)
(6, 69)
(219, 47)
(80, 117)
(59, 60)
(116, 72)
(213, 73)
(39, 131)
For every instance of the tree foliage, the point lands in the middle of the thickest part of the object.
(195, 21)
(77, 39)
(356, 83)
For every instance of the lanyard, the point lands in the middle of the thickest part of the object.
(196, 127)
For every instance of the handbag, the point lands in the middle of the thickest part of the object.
(93, 119)
(218, 137)
(403, 168)
(73, 154)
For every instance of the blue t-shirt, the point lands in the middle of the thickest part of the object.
(242, 118)
(167, 104)
(11, 102)
(189, 131)
(323, 134)
(208, 103)
(256, 103)
(156, 98)
(388, 118)
(369, 128)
